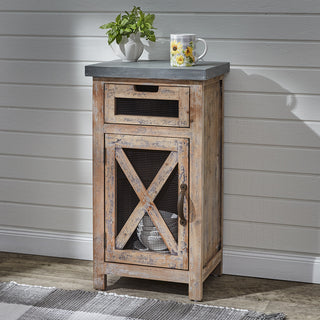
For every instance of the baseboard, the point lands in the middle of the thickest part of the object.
(272, 265)
(47, 243)
(243, 262)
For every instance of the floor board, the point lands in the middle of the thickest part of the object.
(300, 301)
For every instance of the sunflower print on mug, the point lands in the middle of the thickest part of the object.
(175, 47)
(181, 57)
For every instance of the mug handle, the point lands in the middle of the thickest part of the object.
(204, 51)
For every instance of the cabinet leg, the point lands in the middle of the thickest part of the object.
(218, 270)
(100, 281)
(196, 290)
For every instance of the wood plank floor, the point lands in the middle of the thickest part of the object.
(300, 301)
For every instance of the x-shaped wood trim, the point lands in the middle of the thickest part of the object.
(146, 203)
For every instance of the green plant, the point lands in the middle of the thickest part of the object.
(128, 23)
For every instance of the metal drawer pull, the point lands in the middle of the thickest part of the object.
(181, 196)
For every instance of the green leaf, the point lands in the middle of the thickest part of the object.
(124, 22)
(118, 18)
(107, 26)
(111, 39)
(118, 38)
(152, 38)
(149, 18)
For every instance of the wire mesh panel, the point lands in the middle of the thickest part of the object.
(147, 107)
(146, 163)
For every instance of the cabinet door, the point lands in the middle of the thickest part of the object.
(146, 180)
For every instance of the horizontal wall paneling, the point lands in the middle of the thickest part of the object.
(46, 193)
(284, 106)
(43, 73)
(238, 52)
(46, 169)
(46, 97)
(272, 210)
(272, 236)
(277, 185)
(46, 217)
(272, 158)
(274, 80)
(263, 6)
(278, 80)
(46, 121)
(225, 26)
(46, 242)
(46, 145)
(272, 132)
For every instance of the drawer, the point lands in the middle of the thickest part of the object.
(157, 105)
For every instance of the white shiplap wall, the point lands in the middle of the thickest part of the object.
(272, 125)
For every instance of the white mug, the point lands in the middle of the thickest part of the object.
(183, 50)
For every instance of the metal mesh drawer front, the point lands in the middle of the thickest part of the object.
(147, 107)
(155, 105)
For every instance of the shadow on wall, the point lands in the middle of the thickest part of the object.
(159, 50)
(262, 120)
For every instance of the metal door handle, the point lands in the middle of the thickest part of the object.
(183, 189)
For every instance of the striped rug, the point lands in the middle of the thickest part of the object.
(25, 302)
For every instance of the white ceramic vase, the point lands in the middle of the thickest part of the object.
(129, 49)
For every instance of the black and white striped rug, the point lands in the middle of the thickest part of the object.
(25, 302)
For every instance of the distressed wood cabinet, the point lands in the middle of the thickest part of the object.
(157, 152)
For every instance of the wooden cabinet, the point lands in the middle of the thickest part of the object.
(157, 172)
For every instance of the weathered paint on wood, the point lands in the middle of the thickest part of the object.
(151, 259)
(212, 265)
(178, 156)
(110, 195)
(98, 187)
(143, 272)
(212, 168)
(220, 266)
(140, 142)
(183, 234)
(132, 91)
(196, 193)
(129, 91)
(147, 130)
(197, 151)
